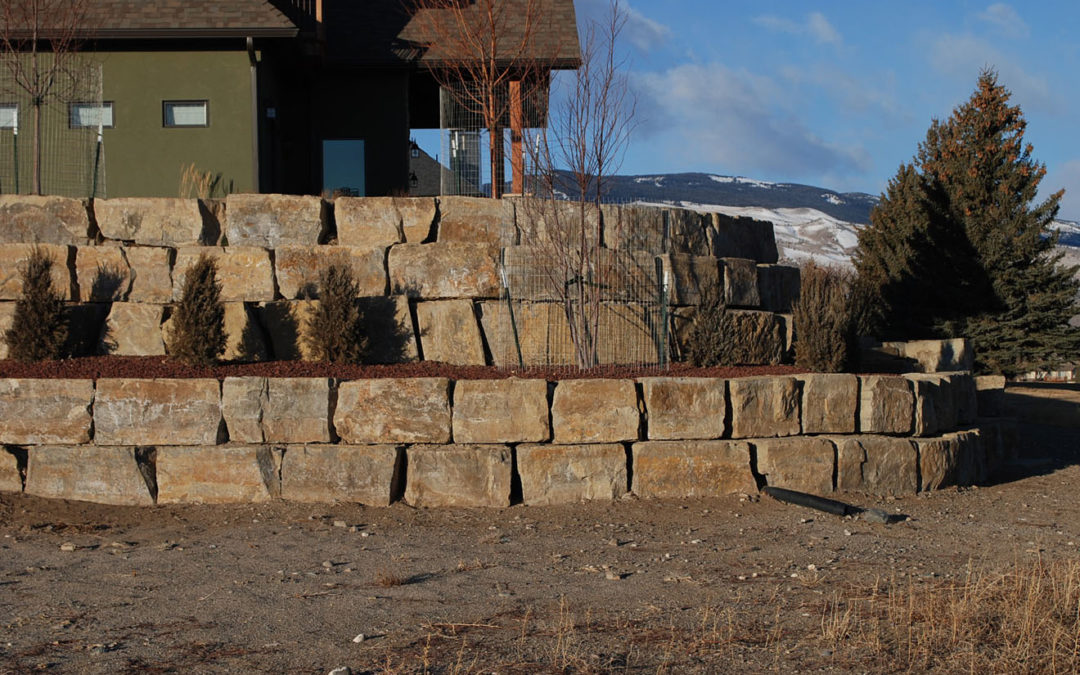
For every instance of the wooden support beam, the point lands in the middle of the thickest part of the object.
(517, 157)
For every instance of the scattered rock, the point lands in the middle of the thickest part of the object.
(67, 546)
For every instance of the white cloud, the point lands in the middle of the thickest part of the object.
(1066, 176)
(850, 93)
(816, 26)
(644, 33)
(964, 56)
(822, 31)
(1004, 18)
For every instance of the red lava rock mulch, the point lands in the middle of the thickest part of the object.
(94, 367)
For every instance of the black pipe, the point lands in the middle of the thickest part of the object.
(812, 501)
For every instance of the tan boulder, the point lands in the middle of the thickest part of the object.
(11, 479)
(243, 404)
(45, 412)
(26, 219)
(103, 273)
(542, 333)
(500, 411)
(740, 282)
(936, 356)
(270, 220)
(741, 237)
(417, 217)
(800, 463)
(388, 325)
(368, 474)
(298, 267)
(7, 319)
(297, 410)
(458, 475)
(564, 474)
(157, 221)
(12, 257)
(388, 410)
(89, 474)
(684, 408)
(533, 273)
(990, 395)
(626, 333)
(244, 272)
(688, 276)
(157, 412)
(595, 411)
(477, 219)
(886, 405)
(445, 270)
(151, 274)
(764, 407)
(879, 465)
(286, 324)
(244, 339)
(933, 405)
(134, 329)
(937, 461)
(829, 403)
(778, 287)
(687, 469)
(369, 222)
(218, 475)
(971, 459)
(650, 228)
(449, 332)
(965, 396)
(556, 225)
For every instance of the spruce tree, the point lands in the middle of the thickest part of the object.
(198, 332)
(335, 327)
(958, 248)
(39, 329)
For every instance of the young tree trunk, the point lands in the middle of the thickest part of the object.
(36, 149)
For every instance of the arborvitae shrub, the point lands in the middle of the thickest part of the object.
(39, 329)
(719, 337)
(198, 323)
(823, 319)
(335, 327)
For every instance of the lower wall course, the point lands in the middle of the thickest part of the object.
(89, 474)
(679, 469)
(218, 474)
(458, 475)
(347, 473)
(561, 474)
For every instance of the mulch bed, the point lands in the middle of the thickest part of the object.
(94, 367)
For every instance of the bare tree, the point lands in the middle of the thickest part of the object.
(39, 45)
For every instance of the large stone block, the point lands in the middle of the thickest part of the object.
(369, 222)
(157, 412)
(501, 411)
(103, 273)
(45, 412)
(934, 404)
(12, 258)
(413, 410)
(965, 398)
(878, 465)
(298, 268)
(689, 276)
(478, 220)
(134, 329)
(971, 460)
(11, 479)
(286, 326)
(937, 461)
(417, 217)
(445, 270)
(449, 332)
(829, 403)
(626, 333)
(218, 475)
(245, 272)
(684, 408)
(297, 410)
(157, 221)
(764, 407)
(739, 237)
(649, 228)
(244, 339)
(243, 402)
(778, 287)
(803, 464)
(89, 474)
(740, 282)
(595, 411)
(558, 226)
(151, 274)
(388, 325)
(539, 329)
(562, 474)
(26, 219)
(458, 475)
(272, 220)
(367, 474)
(7, 319)
(532, 273)
(936, 356)
(682, 469)
(886, 405)
(990, 395)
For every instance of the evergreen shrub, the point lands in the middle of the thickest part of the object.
(198, 323)
(39, 330)
(335, 327)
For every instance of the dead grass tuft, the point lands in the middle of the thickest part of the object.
(387, 578)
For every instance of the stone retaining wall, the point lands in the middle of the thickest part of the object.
(429, 270)
(435, 442)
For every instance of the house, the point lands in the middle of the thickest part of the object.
(288, 96)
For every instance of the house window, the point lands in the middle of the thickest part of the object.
(185, 113)
(83, 115)
(9, 116)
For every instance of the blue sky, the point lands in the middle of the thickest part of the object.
(838, 94)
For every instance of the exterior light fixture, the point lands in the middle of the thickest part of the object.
(414, 149)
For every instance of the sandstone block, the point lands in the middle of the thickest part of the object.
(449, 332)
(45, 412)
(458, 475)
(936, 356)
(244, 339)
(272, 220)
(388, 325)
(12, 257)
(367, 474)
(445, 270)
(89, 474)
(990, 395)
(965, 396)
(369, 222)
(803, 464)
(934, 405)
(764, 407)
(243, 402)
(738, 237)
(11, 479)
(134, 329)
(563, 474)
(477, 219)
(778, 287)
(218, 475)
(298, 267)
(886, 405)
(151, 274)
(971, 461)
(876, 465)
(543, 333)
(829, 402)
(7, 319)
(245, 272)
(684, 408)
(501, 411)
(633, 227)
(412, 410)
(937, 461)
(532, 273)
(417, 217)
(688, 276)
(557, 225)
(157, 412)
(297, 410)
(627, 333)
(285, 322)
(157, 221)
(103, 273)
(25, 219)
(595, 411)
(682, 469)
(740, 282)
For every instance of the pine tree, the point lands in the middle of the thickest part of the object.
(335, 327)
(957, 247)
(39, 329)
(198, 332)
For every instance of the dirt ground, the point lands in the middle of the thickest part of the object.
(630, 586)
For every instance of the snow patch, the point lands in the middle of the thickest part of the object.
(833, 199)
(740, 180)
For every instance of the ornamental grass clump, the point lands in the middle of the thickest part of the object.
(823, 315)
(198, 323)
(335, 327)
(39, 329)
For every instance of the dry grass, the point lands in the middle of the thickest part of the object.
(387, 578)
(1025, 619)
